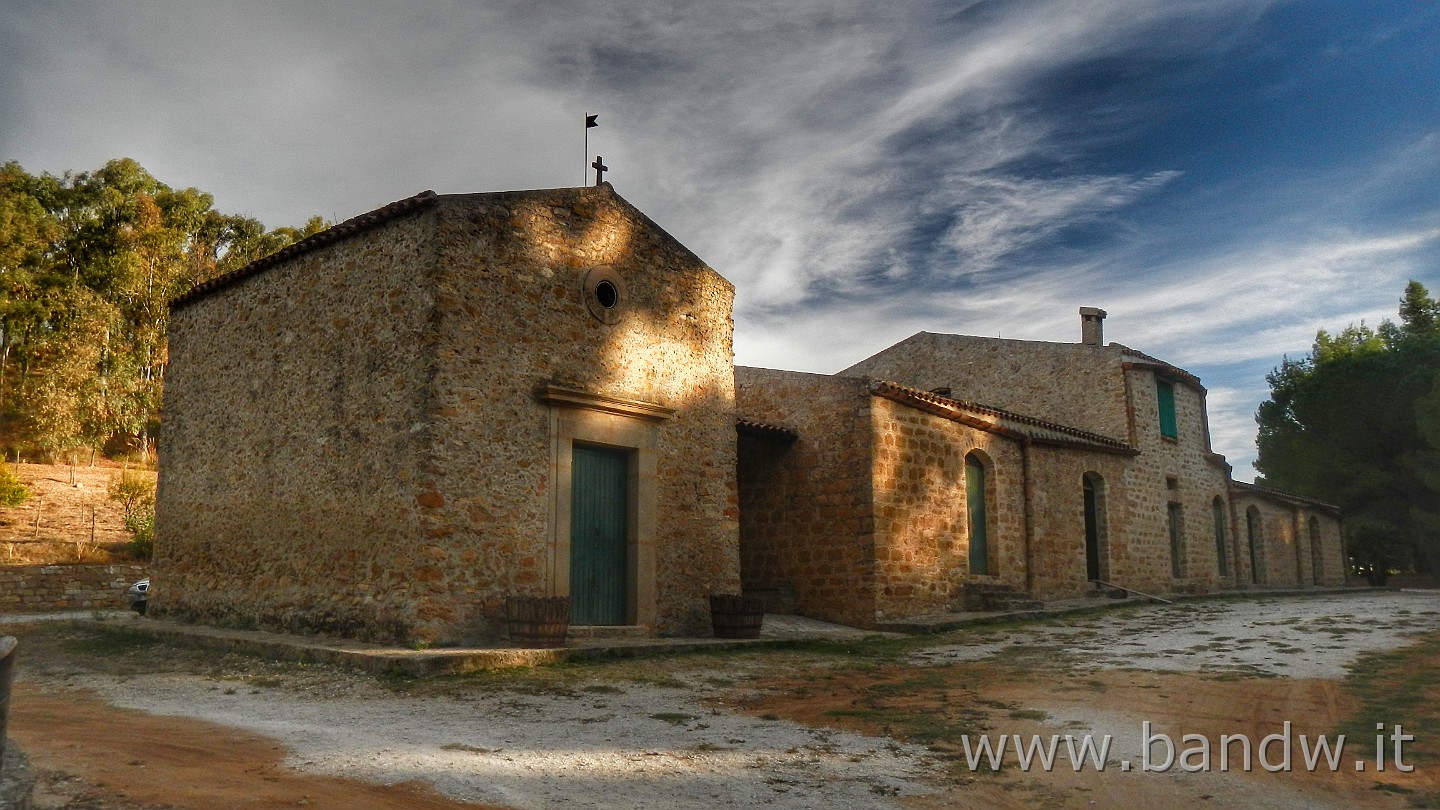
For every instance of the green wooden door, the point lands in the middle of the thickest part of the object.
(978, 520)
(1092, 530)
(599, 522)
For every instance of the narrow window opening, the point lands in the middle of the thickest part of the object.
(1177, 540)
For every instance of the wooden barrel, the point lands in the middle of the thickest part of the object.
(7, 676)
(540, 622)
(736, 616)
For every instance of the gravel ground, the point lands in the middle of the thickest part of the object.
(604, 746)
(1315, 637)
(673, 743)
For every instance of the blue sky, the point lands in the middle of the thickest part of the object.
(1224, 178)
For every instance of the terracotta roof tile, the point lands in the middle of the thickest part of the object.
(996, 420)
(765, 430)
(1140, 358)
(1278, 495)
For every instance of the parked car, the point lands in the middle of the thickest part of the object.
(138, 595)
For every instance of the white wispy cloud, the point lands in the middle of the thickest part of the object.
(860, 170)
(1276, 295)
(999, 215)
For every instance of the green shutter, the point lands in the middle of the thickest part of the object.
(599, 529)
(975, 503)
(1165, 393)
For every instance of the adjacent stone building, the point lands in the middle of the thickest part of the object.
(951, 472)
(387, 429)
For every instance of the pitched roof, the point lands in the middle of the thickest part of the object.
(765, 430)
(331, 235)
(1134, 357)
(1283, 497)
(995, 420)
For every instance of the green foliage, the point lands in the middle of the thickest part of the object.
(141, 526)
(12, 491)
(133, 491)
(1357, 423)
(88, 265)
(137, 494)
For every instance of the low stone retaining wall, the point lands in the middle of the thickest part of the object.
(41, 588)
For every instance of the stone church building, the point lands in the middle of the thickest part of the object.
(386, 429)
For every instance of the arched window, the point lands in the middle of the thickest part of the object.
(1255, 534)
(977, 512)
(1096, 557)
(1317, 557)
(1217, 509)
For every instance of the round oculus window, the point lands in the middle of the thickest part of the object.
(604, 292)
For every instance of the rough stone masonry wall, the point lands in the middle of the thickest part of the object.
(1068, 383)
(806, 518)
(1286, 555)
(512, 317)
(295, 415)
(1197, 480)
(922, 537)
(1276, 554)
(39, 588)
(1326, 559)
(1057, 555)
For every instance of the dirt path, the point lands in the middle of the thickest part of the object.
(183, 763)
(877, 726)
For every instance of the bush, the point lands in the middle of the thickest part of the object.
(12, 492)
(137, 494)
(141, 526)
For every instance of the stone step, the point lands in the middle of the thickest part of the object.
(995, 597)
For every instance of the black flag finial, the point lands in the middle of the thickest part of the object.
(591, 121)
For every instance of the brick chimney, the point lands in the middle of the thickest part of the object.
(1092, 326)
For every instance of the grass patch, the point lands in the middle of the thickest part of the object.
(1029, 714)
(925, 728)
(470, 749)
(1397, 687)
(673, 718)
(602, 689)
(105, 643)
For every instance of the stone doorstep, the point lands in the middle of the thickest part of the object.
(420, 663)
(448, 661)
(609, 631)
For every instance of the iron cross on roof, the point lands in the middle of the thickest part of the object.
(600, 169)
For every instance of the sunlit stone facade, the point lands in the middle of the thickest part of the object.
(371, 433)
(388, 429)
